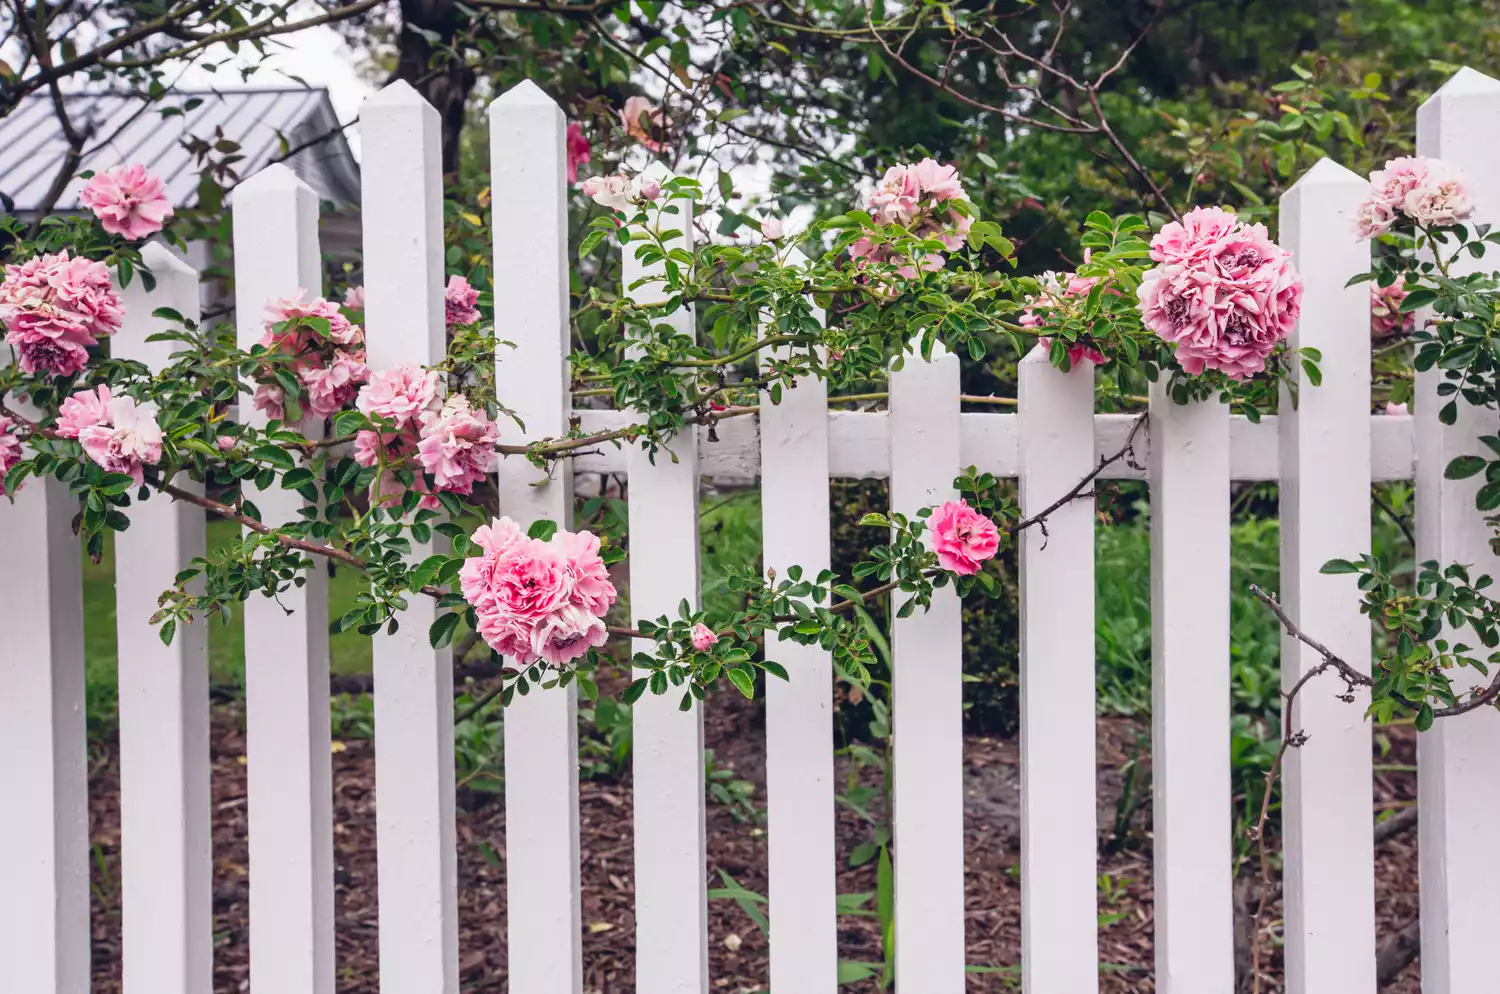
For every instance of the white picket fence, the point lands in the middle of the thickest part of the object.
(1325, 453)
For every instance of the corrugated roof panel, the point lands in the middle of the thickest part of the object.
(128, 128)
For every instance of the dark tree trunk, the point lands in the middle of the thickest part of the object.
(446, 85)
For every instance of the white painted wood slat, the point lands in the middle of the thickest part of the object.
(927, 697)
(1458, 758)
(1059, 905)
(1189, 472)
(165, 832)
(671, 893)
(289, 749)
(799, 713)
(1325, 514)
(401, 186)
(541, 729)
(44, 827)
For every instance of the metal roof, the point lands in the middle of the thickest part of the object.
(128, 127)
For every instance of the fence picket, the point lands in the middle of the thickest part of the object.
(404, 322)
(927, 697)
(541, 729)
(1059, 901)
(1189, 472)
(289, 748)
(165, 831)
(1325, 513)
(671, 893)
(1458, 758)
(799, 713)
(44, 831)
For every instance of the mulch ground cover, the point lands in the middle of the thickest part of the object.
(736, 845)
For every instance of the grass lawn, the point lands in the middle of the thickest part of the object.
(350, 651)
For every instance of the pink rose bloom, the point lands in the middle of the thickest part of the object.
(330, 389)
(896, 197)
(962, 537)
(54, 308)
(270, 400)
(131, 438)
(640, 118)
(341, 331)
(648, 188)
(1399, 177)
(400, 395)
(1385, 310)
(1442, 198)
(592, 589)
(128, 201)
(704, 637)
(566, 634)
(511, 637)
(1394, 409)
(457, 445)
(476, 579)
(579, 150)
(1428, 191)
(1223, 292)
(938, 182)
(1374, 218)
(354, 298)
(771, 229)
(608, 191)
(530, 580)
(912, 196)
(225, 443)
(84, 409)
(10, 449)
(459, 300)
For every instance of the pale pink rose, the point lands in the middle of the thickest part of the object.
(566, 634)
(457, 445)
(509, 636)
(641, 118)
(84, 409)
(704, 637)
(1224, 293)
(578, 150)
(271, 401)
(331, 388)
(225, 443)
(458, 301)
(896, 197)
(354, 298)
(647, 188)
(1374, 218)
(914, 197)
(938, 181)
(54, 307)
(10, 449)
(771, 229)
(1399, 177)
(592, 589)
(1441, 200)
(608, 191)
(476, 578)
(299, 341)
(1396, 409)
(1385, 310)
(962, 537)
(368, 446)
(128, 201)
(400, 395)
(131, 438)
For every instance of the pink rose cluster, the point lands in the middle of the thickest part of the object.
(962, 537)
(1428, 191)
(115, 432)
(618, 191)
(1385, 310)
(330, 369)
(10, 449)
(56, 306)
(536, 600)
(914, 197)
(460, 302)
(128, 201)
(1222, 291)
(1059, 288)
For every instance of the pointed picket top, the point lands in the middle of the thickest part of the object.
(162, 260)
(1465, 83)
(275, 178)
(397, 94)
(524, 94)
(1327, 172)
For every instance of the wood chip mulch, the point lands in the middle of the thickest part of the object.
(737, 949)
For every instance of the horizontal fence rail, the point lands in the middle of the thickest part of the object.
(1325, 452)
